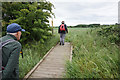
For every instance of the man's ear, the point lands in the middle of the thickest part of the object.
(17, 33)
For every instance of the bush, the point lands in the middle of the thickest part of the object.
(112, 32)
(32, 16)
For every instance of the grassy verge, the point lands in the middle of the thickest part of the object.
(33, 52)
(93, 56)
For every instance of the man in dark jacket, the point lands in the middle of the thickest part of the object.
(62, 30)
(10, 52)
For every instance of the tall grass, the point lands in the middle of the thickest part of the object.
(33, 52)
(93, 56)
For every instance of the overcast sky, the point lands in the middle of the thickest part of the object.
(75, 12)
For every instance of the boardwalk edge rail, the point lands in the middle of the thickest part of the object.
(36, 66)
(71, 53)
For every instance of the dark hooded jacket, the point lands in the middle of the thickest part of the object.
(64, 32)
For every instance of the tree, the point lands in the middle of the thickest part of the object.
(32, 16)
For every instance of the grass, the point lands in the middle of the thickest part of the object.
(33, 52)
(93, 56)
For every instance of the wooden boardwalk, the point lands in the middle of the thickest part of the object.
(53, 66)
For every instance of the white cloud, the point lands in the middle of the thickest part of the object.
(75, 12)
(83, 1)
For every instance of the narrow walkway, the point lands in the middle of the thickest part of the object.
(54, 64)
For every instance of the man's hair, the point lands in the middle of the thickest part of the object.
(63, 22)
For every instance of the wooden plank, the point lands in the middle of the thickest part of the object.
(52, 58)
(36, 66)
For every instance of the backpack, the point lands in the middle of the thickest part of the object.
(62, 27)
(2, 44)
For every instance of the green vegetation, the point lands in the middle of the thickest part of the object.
(112, 32)
(33, 52)
(85, 26)
(94, 56)
(32, 16)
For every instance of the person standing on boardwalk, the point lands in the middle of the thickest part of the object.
(62, 30)
(10, 52)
